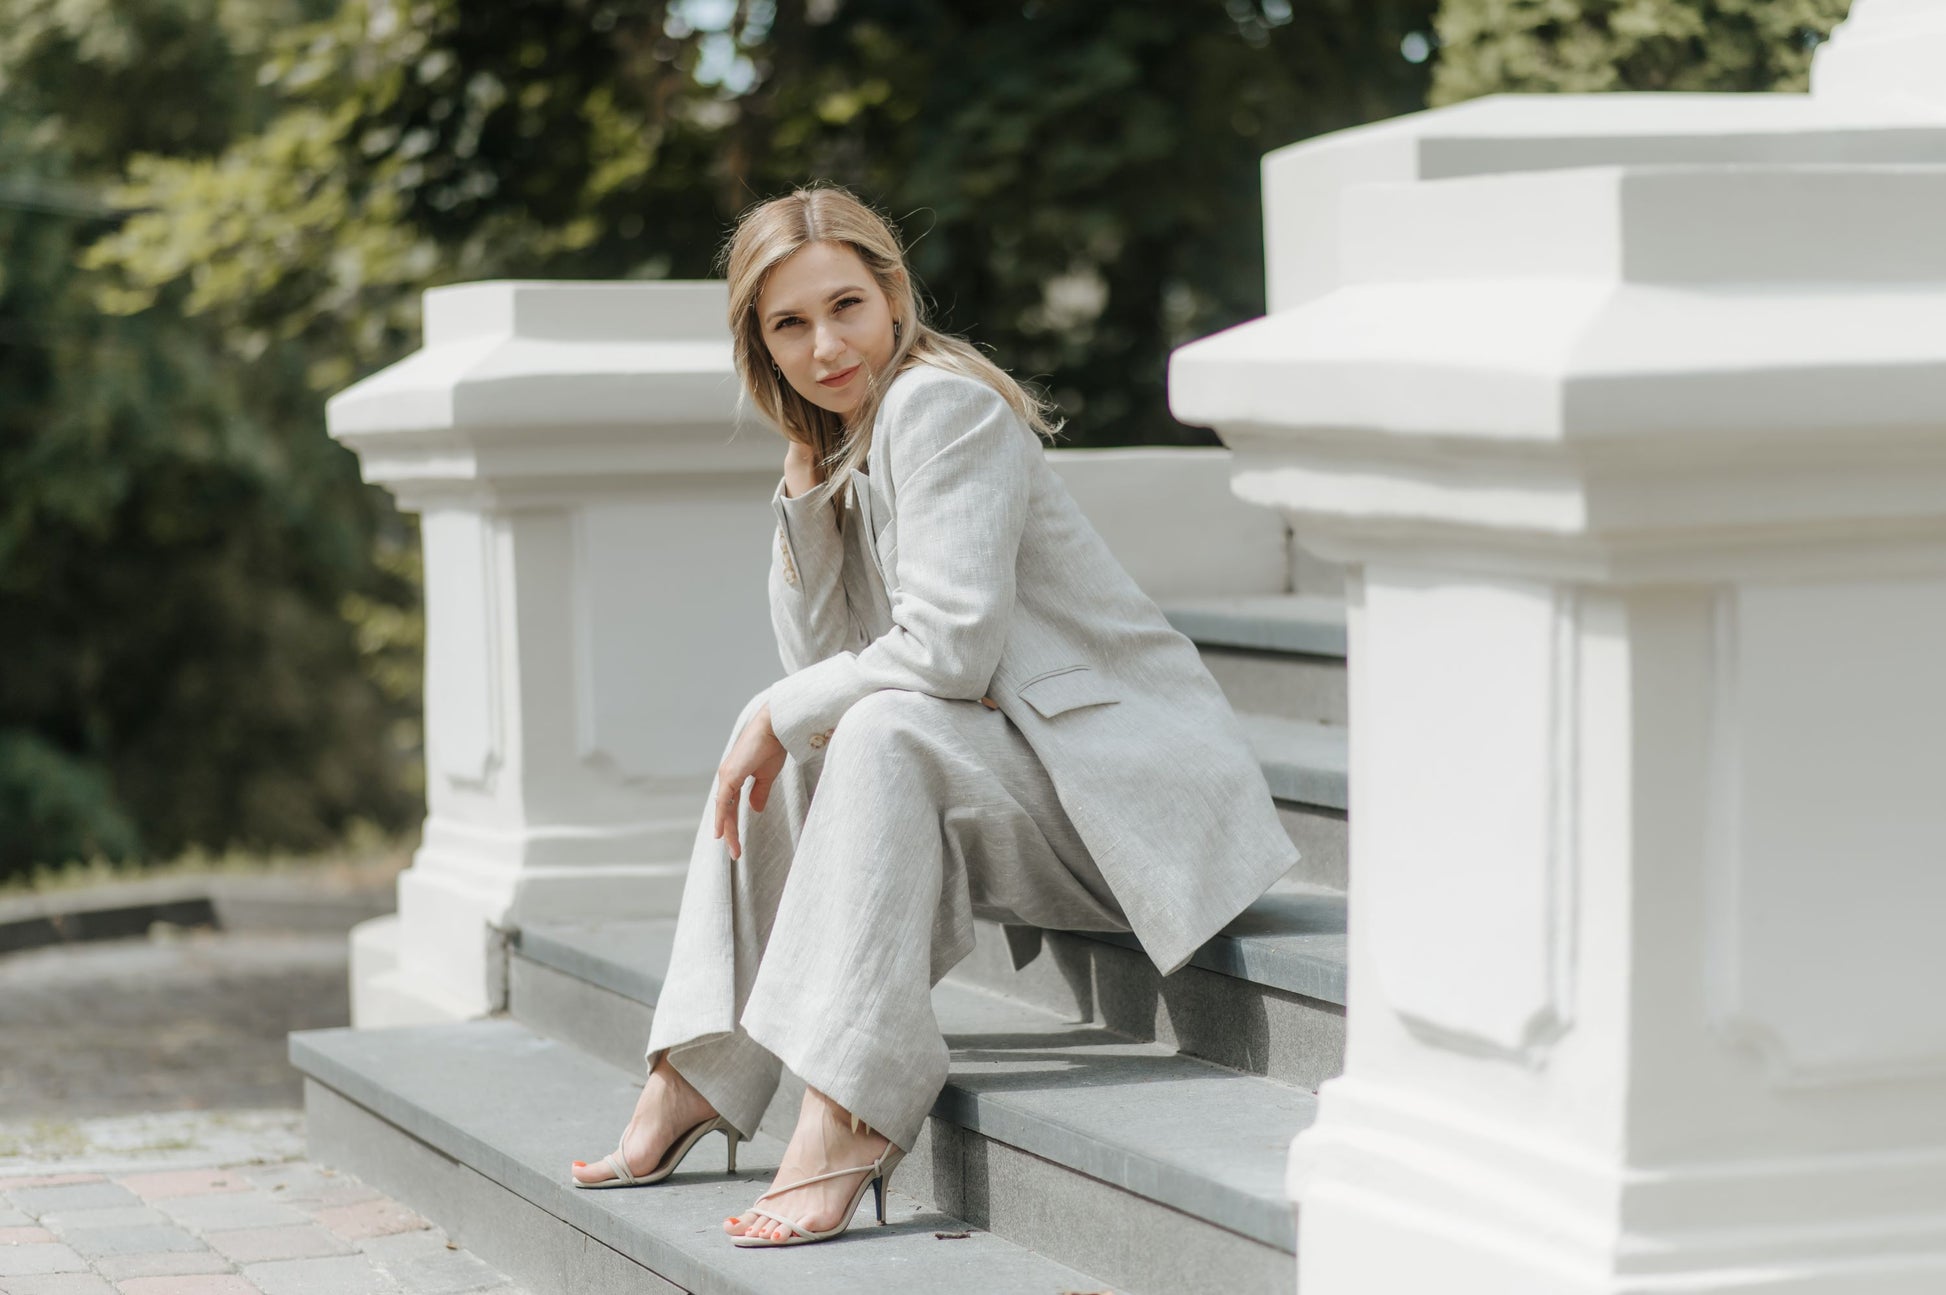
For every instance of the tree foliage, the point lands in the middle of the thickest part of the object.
(1581, 46)
(178, 540)
(1079, 181)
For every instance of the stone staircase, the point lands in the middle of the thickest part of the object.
(1102, 1127)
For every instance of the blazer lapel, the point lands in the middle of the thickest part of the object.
(876, 518)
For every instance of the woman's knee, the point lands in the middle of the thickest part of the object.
(889, 719)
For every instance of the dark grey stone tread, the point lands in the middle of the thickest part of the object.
(1302, 760)
(1290, 939)
(629, 958)
(517, 1108)
(1186, 1133)
(1301, 623)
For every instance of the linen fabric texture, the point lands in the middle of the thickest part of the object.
(999, 586)
(1111, 789)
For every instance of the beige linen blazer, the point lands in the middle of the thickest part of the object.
(1001, 588)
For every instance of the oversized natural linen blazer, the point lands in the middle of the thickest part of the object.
(1001, 588)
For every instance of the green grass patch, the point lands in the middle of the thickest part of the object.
(365, 854)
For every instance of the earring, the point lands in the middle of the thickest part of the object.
(898, 327)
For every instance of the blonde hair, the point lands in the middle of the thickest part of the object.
(770, 233)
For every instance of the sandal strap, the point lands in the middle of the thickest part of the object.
(818, 1178)
(778, 1218)
(615, 1160)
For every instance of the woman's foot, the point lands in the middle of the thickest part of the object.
(667, 1109)
(823, 1142)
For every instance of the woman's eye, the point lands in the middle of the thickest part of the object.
(849, 301)
(786, 322)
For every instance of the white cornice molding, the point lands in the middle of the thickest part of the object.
(1659, 359)
(531, 390)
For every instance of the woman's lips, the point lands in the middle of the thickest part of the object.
(839, 379)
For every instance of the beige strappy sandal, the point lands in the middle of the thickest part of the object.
(617, 1161)
(877, 1175)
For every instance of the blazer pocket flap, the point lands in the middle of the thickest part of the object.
(1065, 689)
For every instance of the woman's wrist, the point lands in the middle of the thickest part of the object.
(800, 470)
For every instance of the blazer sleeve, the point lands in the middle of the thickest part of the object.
(808, 608)
(961, 465)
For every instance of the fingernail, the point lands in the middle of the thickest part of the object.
(580, 1164)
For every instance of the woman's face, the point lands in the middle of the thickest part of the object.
(824, 319)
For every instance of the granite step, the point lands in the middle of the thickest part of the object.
(473, 1124)
(1266, 996)
(1307, 766)
(1272, 654)
(1124, 1157)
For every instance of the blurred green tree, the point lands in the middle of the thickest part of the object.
(179, 541)
(209, 621)
(1080, 181)
(1581, 46)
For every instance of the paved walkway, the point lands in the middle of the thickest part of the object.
(150, 1141)
(281, 1228)
(189, 1020)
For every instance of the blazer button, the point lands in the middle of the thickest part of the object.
(989, 703)
(817, 739)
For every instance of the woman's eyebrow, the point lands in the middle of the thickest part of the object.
(834, 293)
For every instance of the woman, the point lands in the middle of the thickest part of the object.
(995, 720)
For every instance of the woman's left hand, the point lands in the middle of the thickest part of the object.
(755, 754)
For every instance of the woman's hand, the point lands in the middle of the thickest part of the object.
(800, 469)
(756, 753)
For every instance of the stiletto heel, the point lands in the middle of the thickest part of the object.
(681, 1147)
(878, 1175)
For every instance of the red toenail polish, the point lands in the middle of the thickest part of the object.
(580, 1164)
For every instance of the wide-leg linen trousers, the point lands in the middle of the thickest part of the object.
(856, 892)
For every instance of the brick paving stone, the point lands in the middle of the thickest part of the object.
(231, 1210)
(142, 1239)
(425, 1264)
(167, 1263)
(48, 1180)
(58, 1284)
(77, 1196)
(219, 1284)
(164, 1184)
(290, 1176)
(375, 1218)
(39, 1257)
(115, 1216)
(344, 1194)
(256, 1245)
(14, 1236)
(350, 1275)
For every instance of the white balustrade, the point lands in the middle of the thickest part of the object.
(1629, 422)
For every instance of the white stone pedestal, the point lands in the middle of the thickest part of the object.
(596, 530)
(1640, 476)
